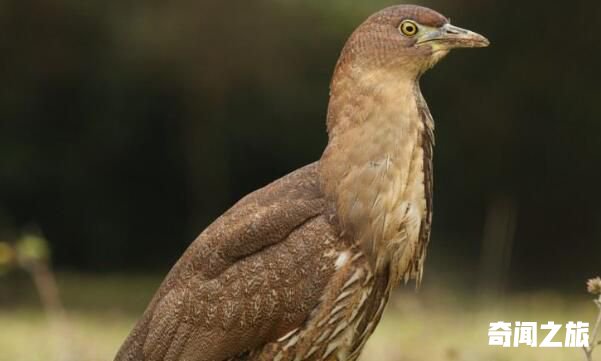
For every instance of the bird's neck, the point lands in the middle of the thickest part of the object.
(372, 168)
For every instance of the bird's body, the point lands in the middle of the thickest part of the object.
(302, 268)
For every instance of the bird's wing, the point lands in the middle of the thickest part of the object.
(250, 277)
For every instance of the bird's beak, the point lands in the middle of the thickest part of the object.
(450, 36)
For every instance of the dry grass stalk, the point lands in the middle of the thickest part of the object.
(593, 286)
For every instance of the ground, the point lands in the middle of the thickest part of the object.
(431, 324)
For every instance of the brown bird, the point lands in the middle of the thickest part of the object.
(302, 268)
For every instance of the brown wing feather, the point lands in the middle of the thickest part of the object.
(250, 277)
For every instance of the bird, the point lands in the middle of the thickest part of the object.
(302, 268)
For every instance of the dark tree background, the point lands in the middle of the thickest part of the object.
(127, 126)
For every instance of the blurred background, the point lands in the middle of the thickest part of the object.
(126, 127)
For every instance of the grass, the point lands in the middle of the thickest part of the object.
(429, 325)
(423, 327)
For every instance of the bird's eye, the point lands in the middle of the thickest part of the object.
(408, 28)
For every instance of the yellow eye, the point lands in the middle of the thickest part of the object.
(408, 28)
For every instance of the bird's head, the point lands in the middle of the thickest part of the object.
(409, 38)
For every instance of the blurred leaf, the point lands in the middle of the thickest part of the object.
(32, 248)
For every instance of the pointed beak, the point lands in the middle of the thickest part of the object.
(450, 36)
